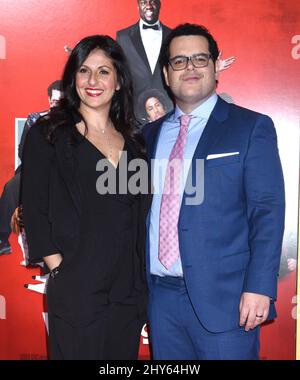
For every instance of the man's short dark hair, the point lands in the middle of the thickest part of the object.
(189, 30)
(147, 94)
(57, 85)
(151, 93)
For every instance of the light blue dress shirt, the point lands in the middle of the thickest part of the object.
(167, 138)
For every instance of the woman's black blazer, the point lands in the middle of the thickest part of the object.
(52, 201)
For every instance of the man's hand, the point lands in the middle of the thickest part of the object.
(67, 49)
(224, 64)
(254, 310)
(292, 264)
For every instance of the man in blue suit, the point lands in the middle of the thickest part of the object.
(212, 264)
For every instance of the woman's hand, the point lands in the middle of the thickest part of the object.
(53, 261)
(16, 222)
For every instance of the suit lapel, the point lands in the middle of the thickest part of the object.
(212, 132)
(136, 39)
(165, 32)
(212, 129)
(65, 159)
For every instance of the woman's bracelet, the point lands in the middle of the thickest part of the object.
(54, 272)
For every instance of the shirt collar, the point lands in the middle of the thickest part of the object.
(203, 111)
(141, 22)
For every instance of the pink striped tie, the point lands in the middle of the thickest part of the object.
(168, 252)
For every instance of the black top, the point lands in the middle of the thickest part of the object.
(105, 246)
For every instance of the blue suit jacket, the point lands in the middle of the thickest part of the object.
(231, 242)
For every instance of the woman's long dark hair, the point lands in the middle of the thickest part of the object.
(121, 112)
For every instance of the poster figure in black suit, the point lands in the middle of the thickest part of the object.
(142, 43)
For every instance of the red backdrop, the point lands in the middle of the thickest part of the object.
(263, 36)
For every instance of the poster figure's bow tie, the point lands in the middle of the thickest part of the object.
(154, 27)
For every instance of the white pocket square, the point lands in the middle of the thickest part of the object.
(219, 155)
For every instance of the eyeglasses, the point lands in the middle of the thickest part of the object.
(180, 62)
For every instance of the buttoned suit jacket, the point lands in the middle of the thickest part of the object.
(231, 242)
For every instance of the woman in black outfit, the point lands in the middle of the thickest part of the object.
(77, 216)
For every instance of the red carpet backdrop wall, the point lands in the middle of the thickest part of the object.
(263, 35)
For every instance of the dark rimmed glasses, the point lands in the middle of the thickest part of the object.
(180, 62)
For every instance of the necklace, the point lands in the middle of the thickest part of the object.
(103, 130)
